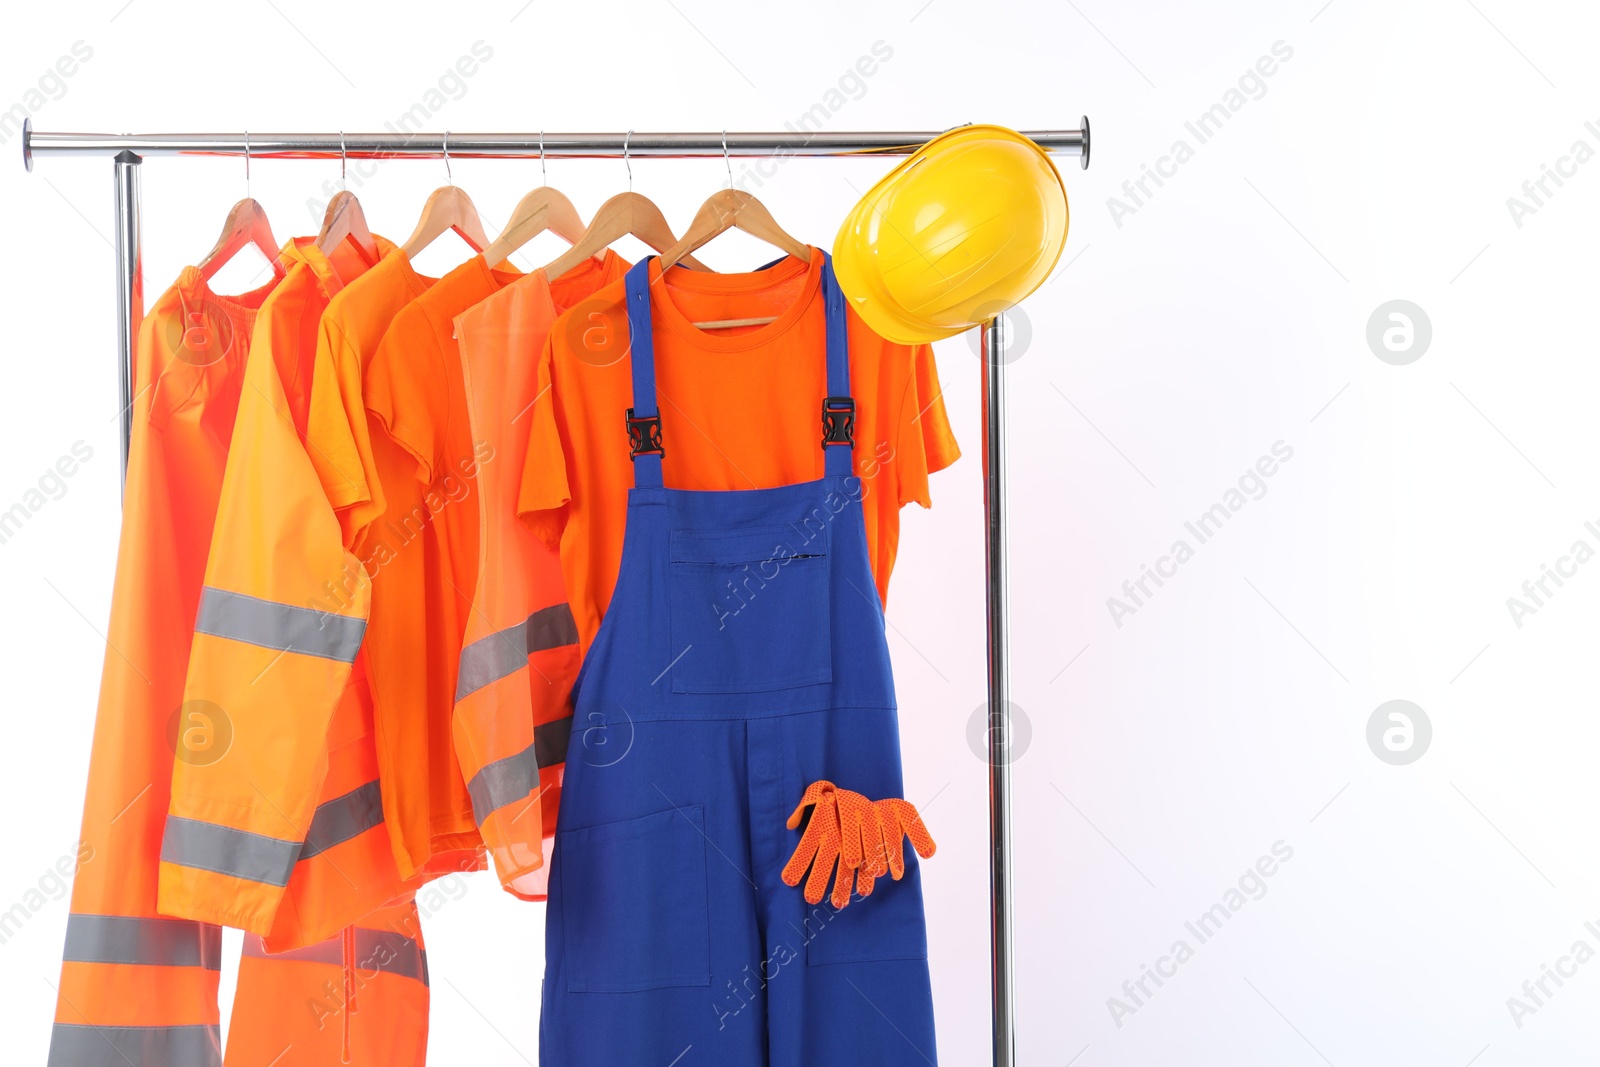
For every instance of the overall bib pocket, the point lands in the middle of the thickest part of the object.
(749, 610)
(626, 927)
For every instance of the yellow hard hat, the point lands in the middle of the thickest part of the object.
(966, 227)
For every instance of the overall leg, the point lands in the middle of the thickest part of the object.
(654, 956)
(862, 992)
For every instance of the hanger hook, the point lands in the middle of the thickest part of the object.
(448, 175)
(247, 164)
(544, 172)
(625, 160)
(343, 157)
(725, 161)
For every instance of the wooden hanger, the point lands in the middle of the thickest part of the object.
(448, 208)
(624, 214)
(542, 209)
(728, 209)
(245, 225)
(733, 209)
(345, 219)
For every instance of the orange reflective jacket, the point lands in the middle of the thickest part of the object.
(139, 989)
(280, 831)
(512, 716)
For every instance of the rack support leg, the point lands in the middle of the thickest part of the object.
(999, 712)
(130, 287)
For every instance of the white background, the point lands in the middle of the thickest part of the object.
(1175, 346)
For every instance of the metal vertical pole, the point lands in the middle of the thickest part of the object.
(130, 287)
(994, 544)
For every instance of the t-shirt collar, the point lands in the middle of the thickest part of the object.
(665, 311)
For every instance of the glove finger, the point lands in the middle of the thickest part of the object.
(822, 818)
(865, 881)
(803, 853)
(894, 852)
(921, 840)
(827, 849)
(841, 885)
(853, 809)
(872, 860)
(821, 870)
(885, 839)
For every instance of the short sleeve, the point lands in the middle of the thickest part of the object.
(924, 441)
(336, 433)
(401, 389)
(545, 491)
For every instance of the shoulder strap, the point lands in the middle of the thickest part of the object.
(838, 407)
(644, 418)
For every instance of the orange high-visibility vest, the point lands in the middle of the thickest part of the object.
(421, 551)
(520, 654)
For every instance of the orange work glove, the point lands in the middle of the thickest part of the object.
(895, 819)
(820, 842)
(858, 839)
(832, 842)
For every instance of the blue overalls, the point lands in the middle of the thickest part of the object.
(742, 657)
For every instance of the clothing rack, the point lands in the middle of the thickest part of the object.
(129, 150)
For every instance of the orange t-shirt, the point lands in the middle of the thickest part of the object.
(338, 440)
(740, 409)
(353, 455)
(422, 553)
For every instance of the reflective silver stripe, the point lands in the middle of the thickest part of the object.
(376, 950)
(551, 627)
(514, 778)
(505, 781)
(550, 741)
(281, 626)
(258, 858)
(154, 942)
(489, 659)
(82, 1045)
(224, 850)
(343, 818)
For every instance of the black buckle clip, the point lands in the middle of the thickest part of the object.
(838, 421)
(644, 435)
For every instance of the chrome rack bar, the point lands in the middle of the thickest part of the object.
(128, 150)
(36, 144)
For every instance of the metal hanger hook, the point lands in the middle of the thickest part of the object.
(445, 144)
(725, 160)
(343, 158)
(544, 172)
(625, 159)
(247, 164)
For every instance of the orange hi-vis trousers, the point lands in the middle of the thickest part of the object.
(359, 998)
